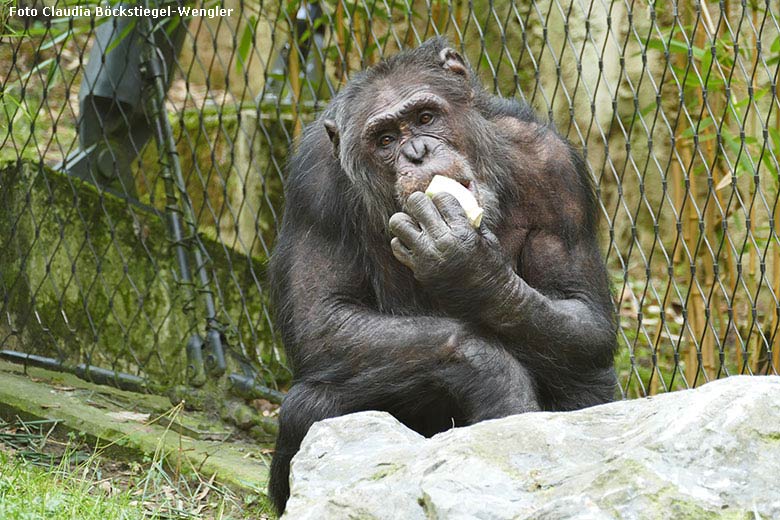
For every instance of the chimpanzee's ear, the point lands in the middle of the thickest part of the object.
(454, 62)
(333, 134)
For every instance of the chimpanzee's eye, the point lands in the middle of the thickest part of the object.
(386, 140)
(425, 118)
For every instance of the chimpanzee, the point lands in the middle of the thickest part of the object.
(388, 299)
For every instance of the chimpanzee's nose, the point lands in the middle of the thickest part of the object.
(415, 151)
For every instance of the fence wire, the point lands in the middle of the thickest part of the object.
(143, 164)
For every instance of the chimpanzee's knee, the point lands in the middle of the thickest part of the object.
(303, 406)
(487, 381)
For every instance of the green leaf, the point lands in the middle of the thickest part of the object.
(774, 136)
(648, 109)
(740, 151)
(7, 99)
(674, 46)
(114, 43)
(52, 74)
(775, 48)
(57, 39)
(245, 44)
(769, 159)
(38, 67)
(703, 124)
(757, 94)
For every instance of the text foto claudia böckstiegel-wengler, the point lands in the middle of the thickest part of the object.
(120, 11)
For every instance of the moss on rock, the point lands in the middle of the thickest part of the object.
(88, 277)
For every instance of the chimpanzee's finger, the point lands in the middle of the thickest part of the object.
(421, 207)
(450, 209)
(406, 228)
(402, 253)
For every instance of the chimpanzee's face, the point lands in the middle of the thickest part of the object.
(411, 135)
(404, 123)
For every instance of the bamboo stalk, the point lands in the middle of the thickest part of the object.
(694, 300)
(678, 195)
(357, 25)
(342, 63)
(697, 323)
(691, 235)
(409, 39)
(678, 198)
(458, 22)
(710, 223)
(730, 258)
(732, 279)
(434, 16)
(372, 55)
(776, 268)
(678, 178)
(656, 372)
(294, 70)
(440, 14)
(752, 282)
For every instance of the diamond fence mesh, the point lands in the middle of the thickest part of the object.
(143, 163)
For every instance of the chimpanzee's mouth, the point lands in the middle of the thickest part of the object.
(469, 184)
(472, 187)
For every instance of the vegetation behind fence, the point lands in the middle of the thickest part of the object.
(674, 104)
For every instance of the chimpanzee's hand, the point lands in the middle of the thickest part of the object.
(434, 238)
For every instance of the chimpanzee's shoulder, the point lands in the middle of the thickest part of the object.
(313, 184)
(496, 107)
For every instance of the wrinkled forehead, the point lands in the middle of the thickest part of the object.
(389, 95)
(392, 101)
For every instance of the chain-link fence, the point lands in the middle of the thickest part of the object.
(143, 161)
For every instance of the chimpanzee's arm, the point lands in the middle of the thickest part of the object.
(556, 306)
(332, 333)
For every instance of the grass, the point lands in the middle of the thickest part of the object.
(30, 492)
(44, 478)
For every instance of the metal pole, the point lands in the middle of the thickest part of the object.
(178, 206)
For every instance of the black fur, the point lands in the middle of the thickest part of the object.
(515, 316)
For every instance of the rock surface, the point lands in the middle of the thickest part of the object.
(713, 452)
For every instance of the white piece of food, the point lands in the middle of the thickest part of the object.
(466, 199)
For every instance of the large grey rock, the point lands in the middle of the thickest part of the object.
(704, 453)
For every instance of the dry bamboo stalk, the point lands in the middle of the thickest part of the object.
(731, 261)
(708, 342)
(409, 40)
(678, 195)
(694, 300)
(435, 16)
(678, 178)
(697, 321)
(710, 225)
(458, 22)
(342, 63)
(755, 341)
(728, 258)
(655, 375)
(678, 181)
(442, 21)
(294, 69)
(678, 198)
(357, 25)
(776, 269)
(372, 56)
(752, 282)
